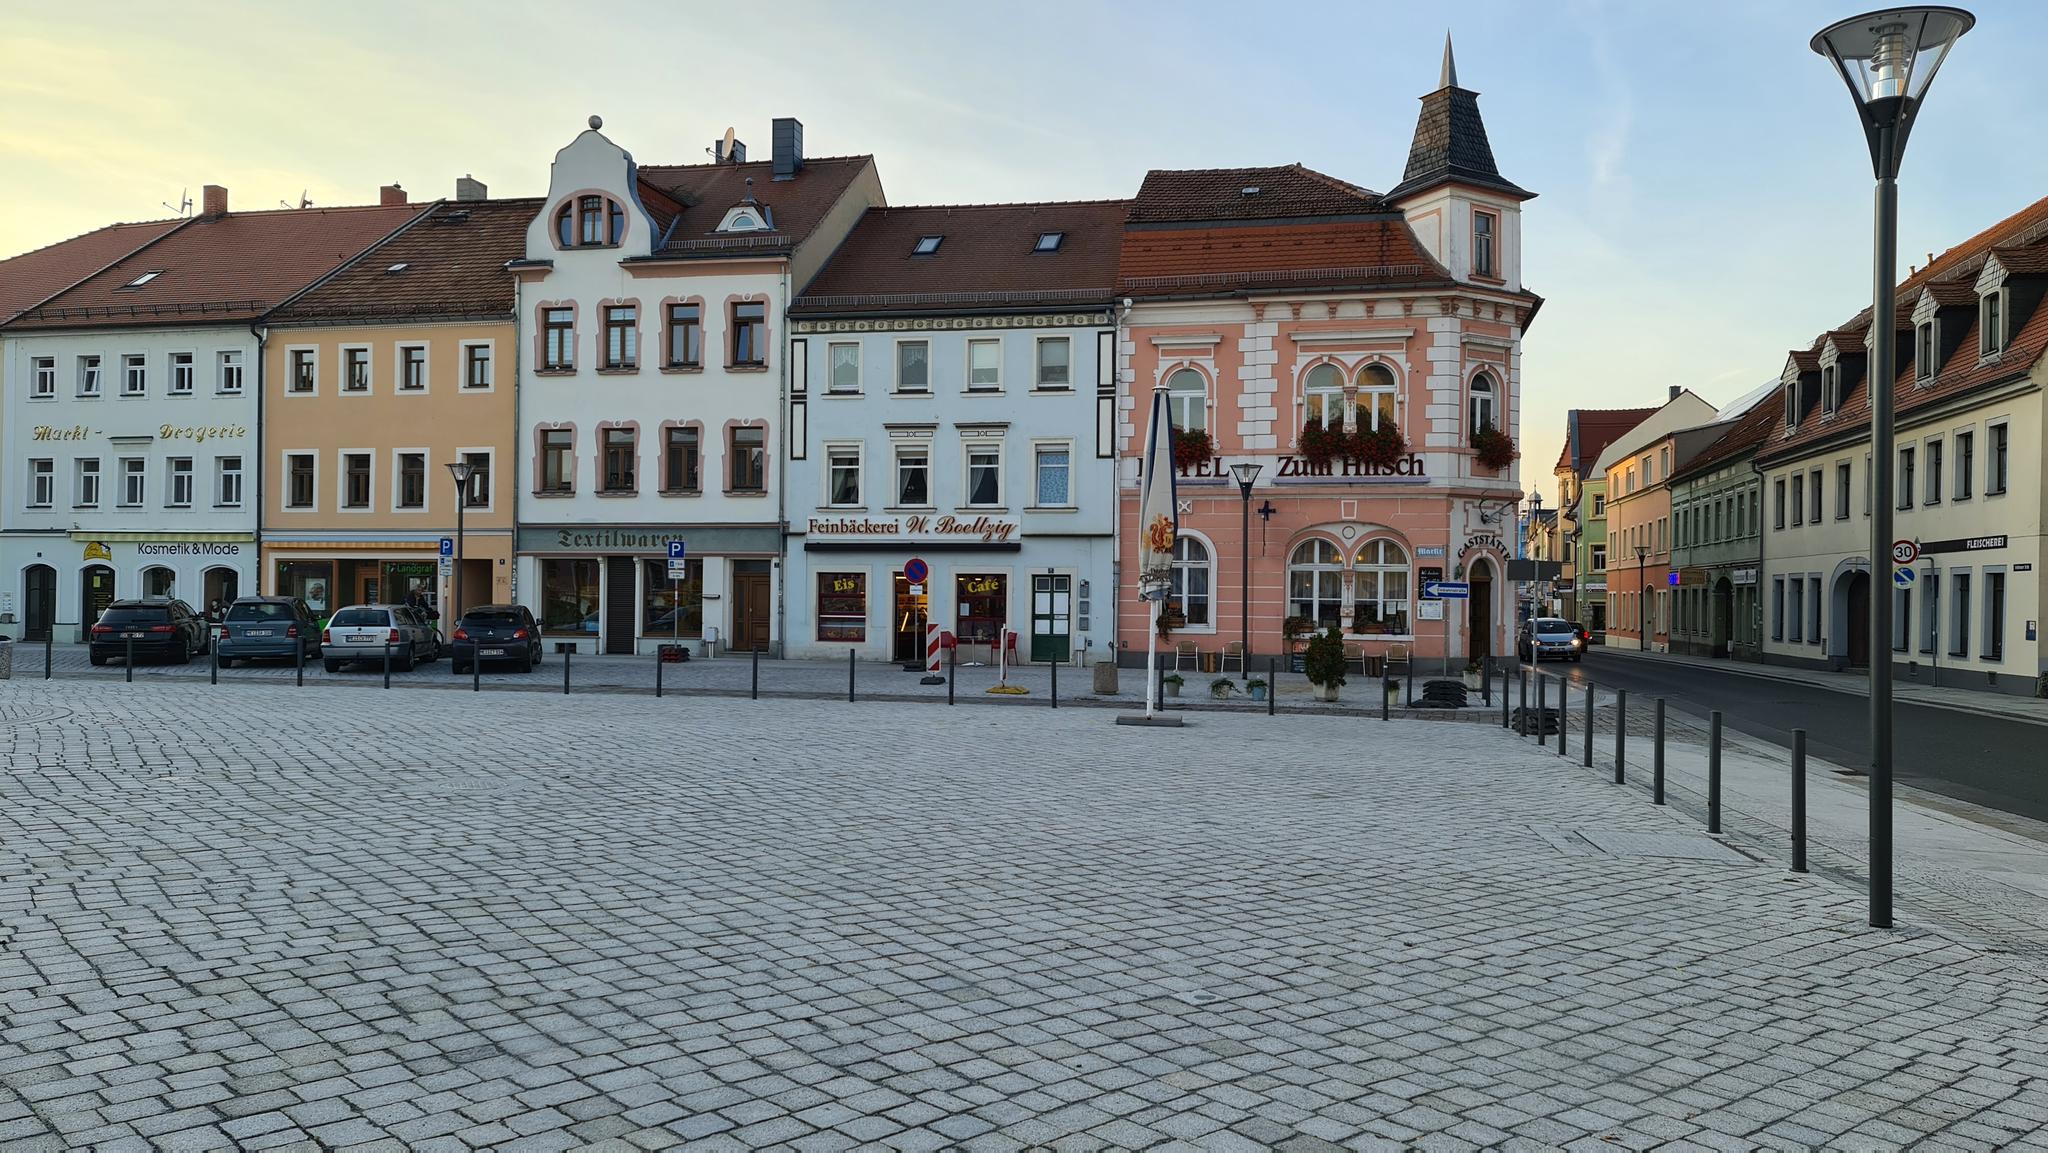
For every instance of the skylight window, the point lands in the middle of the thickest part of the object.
(1049, 242)
(395, 269)
(145, 278)
(1249, 190)
(927, 245)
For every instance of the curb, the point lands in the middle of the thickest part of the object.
(1767, 673)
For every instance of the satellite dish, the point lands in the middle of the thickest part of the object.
(727, 152)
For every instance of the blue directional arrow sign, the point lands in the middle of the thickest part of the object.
(1446, 590)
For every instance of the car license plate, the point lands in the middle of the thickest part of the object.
(361, 639)
(492, 652)
(133, 636)
(260, 633)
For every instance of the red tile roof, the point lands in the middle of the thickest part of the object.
(1746, 433)
(1593, 429)
(221, 269)
(33, 277)
(1215, 194)
(986, 260)
(1275, 258)
(697, 196)
(454, 266)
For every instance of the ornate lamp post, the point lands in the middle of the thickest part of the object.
(1888, 59)
(461, 470)
(1247, 474)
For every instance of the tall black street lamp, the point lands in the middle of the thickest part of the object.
(1642, 600)
(1247, 474)
(461, 470)
(1888, 59)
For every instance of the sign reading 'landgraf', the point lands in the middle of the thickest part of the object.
(988, 529)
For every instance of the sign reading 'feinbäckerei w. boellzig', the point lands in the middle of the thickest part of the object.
(985, 528)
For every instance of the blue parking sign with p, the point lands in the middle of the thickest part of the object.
(675, 550)
(447, 546)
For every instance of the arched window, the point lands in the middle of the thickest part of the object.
(1482, 402)
(590, 222)
(159, 582)
(1381, 601)
(1324, 386)
(1315, 584)
(1376, 393)
(1187, 396)
(1190, 581)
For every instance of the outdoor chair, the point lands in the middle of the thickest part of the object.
(1186, 651)
(1233, 651)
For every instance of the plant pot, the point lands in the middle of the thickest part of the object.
(1258, 692)
(1172, 690)
(1325, 692)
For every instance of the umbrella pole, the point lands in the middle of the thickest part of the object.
(1151, 653)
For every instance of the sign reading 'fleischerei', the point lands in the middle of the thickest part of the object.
(989, 529)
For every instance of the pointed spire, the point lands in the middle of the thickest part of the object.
(1449, 78)
(1450, 141)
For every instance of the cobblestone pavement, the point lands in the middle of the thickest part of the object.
(287, 916)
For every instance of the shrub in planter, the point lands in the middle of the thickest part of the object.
(1320, 446)
(1381, 447)
(1496, 449)
(1173, 682)
(1192, 448)
(1222, 687)
(1324, 663)
(1256, 687)
(1294, 628)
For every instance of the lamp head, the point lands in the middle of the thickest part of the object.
(1247, 473)
(461, 470)
(1888, 59)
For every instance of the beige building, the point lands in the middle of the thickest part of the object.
(375, 381)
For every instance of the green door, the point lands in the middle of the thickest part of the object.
(1051, 602)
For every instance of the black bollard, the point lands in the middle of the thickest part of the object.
(213, 660)
(1055, 683)
(1564, 700)
(1504, 696)
(1798, 800)
(754, 686)
(387, 664)
(128, 662)
(657, 673)
(1379, 684)
(476, 673)
(1522, 713)
(1657, 768)
(299, 658)
(1273, 685)
(952, 670)
(1486, 681)
(1620, 736)
(849, 676)
(49, 651)
(566, 654)
(1588, 736)
(1409, 698)
(1542, 717)
(1714, 772)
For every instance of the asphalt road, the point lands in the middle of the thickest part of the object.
(1991, 761)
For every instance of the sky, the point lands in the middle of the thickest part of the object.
(1703, 187)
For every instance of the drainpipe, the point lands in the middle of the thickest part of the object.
(518, 438)
(781, 644)
(262, 334)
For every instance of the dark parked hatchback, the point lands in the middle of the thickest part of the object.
(267, 627)
(495, 633)
(159, 628)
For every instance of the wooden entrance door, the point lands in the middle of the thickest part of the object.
(621, 604)
(750, 607)
(39, 602)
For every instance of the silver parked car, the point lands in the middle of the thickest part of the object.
(1550, 638)
(363, 632)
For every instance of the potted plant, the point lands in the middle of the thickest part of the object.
(1173, 682)
(1222, 687)
(1377, 448)
(1192, 448)
(1256, 687)
(1170, 618)
(1496, 449)
(1324, 663)
(1320, 446)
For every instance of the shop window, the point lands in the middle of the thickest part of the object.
(1381, 599)
(1315, 584)
(1189, 596)
(843, 607)
(672, 608)
(1376, 395)
(1324, 390)
(568, 595)
(749, 453)
(983, 600)
(1187, 400)
(310, 581)
(680, 461)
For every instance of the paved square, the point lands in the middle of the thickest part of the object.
(265, 916)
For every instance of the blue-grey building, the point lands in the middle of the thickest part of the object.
(951, 401)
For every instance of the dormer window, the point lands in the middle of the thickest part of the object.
(748, 215)
(1792, 404)
(1923, 351)
(927, 245)
(1830, 396)
(1049, 242)
(1991, 326)
(590, 222)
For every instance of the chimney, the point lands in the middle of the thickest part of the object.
(468, 187)
(391, 194)
(1675, 390)
(213, 200)
(789, 147)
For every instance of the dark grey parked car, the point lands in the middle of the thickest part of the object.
(267, 627)
(505, 634)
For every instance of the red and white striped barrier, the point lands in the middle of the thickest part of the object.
(931, 649)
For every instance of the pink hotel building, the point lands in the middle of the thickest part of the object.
(1267, 298)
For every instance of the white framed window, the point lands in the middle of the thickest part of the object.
(1378, 393)
(88, 376)
(1933, 471)
(480, 493)
(984, 366)
(134, 374)
(301, 480)
(1599, 557)
(227, 482)
(984, 488)
(43, 377)
(1381, 585)
(181, 374)
(913, 366)
(1193, 577)
(1323, 396)
(1991, 323)
(1829, 397)
(1923, 351)
(1187, 399)
(1055, 364)
(914, 477)
(409, 479)
(2001, 459)
(1966, 465)
(842, 475)
(302, 371)
(134, 481)
(178, 489)
(85, 490)
(42, 483)
(357, 490)
(229, 378)
(355, 370)
(1483, 400)
(1483, 244)
(1959, 597)
(842, 359)
(1315, 583)
(412, 368)
(477, 365)
(1053, 469)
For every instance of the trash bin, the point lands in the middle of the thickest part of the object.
(6, 658)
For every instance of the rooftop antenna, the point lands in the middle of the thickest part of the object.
(184, 205)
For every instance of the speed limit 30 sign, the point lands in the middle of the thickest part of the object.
(1905, 552)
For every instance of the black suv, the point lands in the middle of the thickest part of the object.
(162, 627)
(489, 633)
